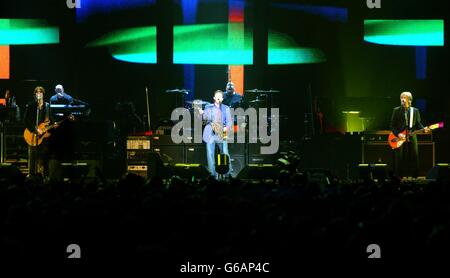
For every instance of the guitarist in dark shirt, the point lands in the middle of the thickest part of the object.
(405, 117)
(36, 113)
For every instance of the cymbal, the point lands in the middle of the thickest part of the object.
(262, 91)
(254, 91)
(256, 100)
(184, 91)
(197, 101)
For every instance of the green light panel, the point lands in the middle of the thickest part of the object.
(405, 32)
(284, 50)
(206, 44)
(136, 45)
(27, 31)
(210, 44)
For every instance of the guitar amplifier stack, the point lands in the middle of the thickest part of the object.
(376, 150)
(14, 149)
(146, 156)
(138, 152)
(195, 153)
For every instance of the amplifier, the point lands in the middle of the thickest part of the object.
(14, 147)
(261, 159)
(375, 136)
(138, 143)
(137, 156)
(13, 128)
(140, 170)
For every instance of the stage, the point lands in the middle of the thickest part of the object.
(233, 128)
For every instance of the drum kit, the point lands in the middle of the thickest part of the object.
(256, 99)
(262, 99)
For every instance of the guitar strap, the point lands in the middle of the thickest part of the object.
(411, 114)
(47, 111)
(405, 114)
(37, 117)
(409, 123)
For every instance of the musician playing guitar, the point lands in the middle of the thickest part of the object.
(37, 113)
(404, 121)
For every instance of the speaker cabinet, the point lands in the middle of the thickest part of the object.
(162, 140)
(170, 154)
(196, 154)
(238, 163)
(255, 148)
(427, 157)
(377, 153)
(14, 148)
(255, 156)
(237, 148)
(381, 153)
(137, 157)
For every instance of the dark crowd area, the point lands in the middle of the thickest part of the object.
(287, 223)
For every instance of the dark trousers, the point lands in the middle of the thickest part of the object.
(406, 160)
(38, 160)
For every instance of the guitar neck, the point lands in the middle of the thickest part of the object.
(417, 131)
(431, 127)
(53, 125)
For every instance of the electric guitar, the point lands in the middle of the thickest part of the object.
(396, 142)
(34, 139)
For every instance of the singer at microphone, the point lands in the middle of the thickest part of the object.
(218, 124)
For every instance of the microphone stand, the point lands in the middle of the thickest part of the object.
(148, 107)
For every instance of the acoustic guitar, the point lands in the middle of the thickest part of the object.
(34, 139)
